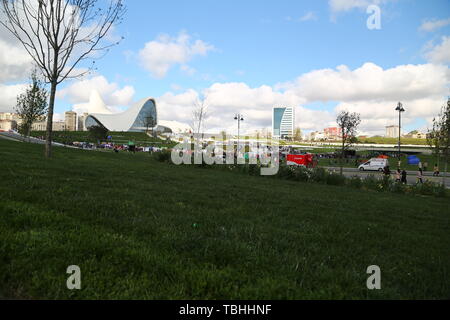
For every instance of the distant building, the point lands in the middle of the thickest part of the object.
(70, 121)
(11, 116)
(333, 133)
(317, 136)
(416, 135)
(42, 126)
(283, 120)
(81, 121)
(7, 125)
(392, 131)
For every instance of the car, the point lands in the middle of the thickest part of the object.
(375, 164)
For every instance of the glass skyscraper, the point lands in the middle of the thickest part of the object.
(283, 122)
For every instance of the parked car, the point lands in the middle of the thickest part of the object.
(375, 164)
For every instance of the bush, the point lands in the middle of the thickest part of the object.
(286, 172)
(398, 187)
(386, 183)
(429, 188)
(355, 182)
(302, 174)
(335, 179)
(371, 182)
(319, 175)
(162, 156)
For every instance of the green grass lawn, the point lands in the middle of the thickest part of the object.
(117, 137)
(141, 229)
(384, 140)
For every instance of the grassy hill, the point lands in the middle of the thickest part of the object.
(117, 137)
(143, 229)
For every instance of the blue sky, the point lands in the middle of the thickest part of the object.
(259, 44)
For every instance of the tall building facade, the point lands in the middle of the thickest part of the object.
(392, 131)
(81, 122)
(71, 121)
(333, 133)
(283, 122)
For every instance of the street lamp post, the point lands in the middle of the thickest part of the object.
(400, 109)
(239, 118)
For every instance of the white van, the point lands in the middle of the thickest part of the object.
(375, 164)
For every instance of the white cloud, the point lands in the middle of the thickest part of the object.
(9, 95)
(434, 24)
(347, 5)
(159, 55)
(309, 16)
(15, 63)
(80, 92)
(439, 53)
(370, 82)
(369, 90)
(338, 6)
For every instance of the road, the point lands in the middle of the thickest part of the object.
(411, 178)
(17, 137)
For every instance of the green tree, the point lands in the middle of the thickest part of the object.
(32, 104)
(59, 35)
(298, 134)
(439, 136)
(98, 132)
(348, 123)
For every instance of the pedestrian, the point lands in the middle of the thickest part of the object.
(404, 177)
(420, 176)
(436, 170)
(398, 175)
(425, 166)
(387, 171)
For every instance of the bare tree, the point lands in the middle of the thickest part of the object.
(199, 115)
(439, 136)
(32, 104)
(348, 123)
(59, 34)
(298, 134)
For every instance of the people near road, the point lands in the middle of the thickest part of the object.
(436, 170)
(131, 146)
(387, 171)
(398, 175)
(404, 177)
(420, 176)
(425, 166)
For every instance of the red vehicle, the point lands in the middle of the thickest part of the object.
(305, 160)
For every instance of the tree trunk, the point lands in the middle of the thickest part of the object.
(342, 154)
(51, 105)
(445, 170)
(29, 131)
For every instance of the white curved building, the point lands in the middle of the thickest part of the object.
(141, 117)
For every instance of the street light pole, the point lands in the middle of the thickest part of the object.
(400, 109)
(239, 118)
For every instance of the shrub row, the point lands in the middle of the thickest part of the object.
(371, 182)
(323, 176)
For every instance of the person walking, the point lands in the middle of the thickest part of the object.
(420, 176)
(404, 177)
(398, 175)
(436, 170)
(425, 166)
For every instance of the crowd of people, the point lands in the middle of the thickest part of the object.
(401, 175)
